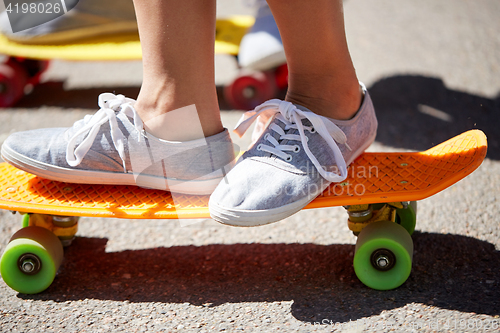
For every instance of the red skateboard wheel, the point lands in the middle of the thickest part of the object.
(282, 77)
(249, 90)
(13, 79)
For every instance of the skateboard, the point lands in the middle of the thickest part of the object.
(26, 63)
(379, 194)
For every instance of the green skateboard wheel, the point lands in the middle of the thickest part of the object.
(26, 220)
(383, 257)
(30, 262)
(407, 217)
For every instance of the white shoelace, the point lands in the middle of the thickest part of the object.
(110, 105)
(292, 117)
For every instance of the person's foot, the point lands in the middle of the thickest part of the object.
(296, 157)
(89, 18)
(261, 48)
(112, 147)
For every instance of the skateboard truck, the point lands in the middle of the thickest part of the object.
(64, 227)
(384, 247)
(362, 215)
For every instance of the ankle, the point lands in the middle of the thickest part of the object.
(174, 122)
(326, 96)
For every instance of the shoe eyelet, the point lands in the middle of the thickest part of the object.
(266, 137)
(312, 130)
(296, 149)
(259, 147)
(289, 158)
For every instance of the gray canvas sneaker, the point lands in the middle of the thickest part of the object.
(298, 155)
(89, 18)
(261, 48)
(112, 147)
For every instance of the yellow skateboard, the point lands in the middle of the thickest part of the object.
(379, 194)
(26, 62)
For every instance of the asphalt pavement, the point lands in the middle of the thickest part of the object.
(432, 68)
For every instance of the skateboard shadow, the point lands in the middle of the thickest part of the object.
(53, 93)
(449, 271)
(418, 112)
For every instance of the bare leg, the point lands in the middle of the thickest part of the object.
(321, 74)
(177, 39)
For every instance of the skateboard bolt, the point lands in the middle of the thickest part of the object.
(64, 221)
(29, 264)
(358, 216)
(383, 259)
(382, 262)
(249, 92)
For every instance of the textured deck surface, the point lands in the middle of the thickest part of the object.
(229, 33)
(373, 178)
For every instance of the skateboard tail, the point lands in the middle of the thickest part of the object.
(464, 154)
(391, 177)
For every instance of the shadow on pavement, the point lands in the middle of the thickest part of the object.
(414, 112)
(418, 112)
(449, 271)
(53, 94)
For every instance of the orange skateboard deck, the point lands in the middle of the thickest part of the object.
(377, 191)
(372, 178)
